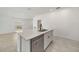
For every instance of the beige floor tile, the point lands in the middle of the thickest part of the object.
(63, 45)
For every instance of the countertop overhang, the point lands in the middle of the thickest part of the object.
(29, 34)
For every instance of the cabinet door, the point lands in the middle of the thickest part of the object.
(37, 44)
(47, 38)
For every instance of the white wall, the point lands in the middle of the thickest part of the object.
(28, 24)
(65, 22)
(9, 16)
(6, 25)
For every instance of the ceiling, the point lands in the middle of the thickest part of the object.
(24, 12)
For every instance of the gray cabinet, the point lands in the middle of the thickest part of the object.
(37, 44)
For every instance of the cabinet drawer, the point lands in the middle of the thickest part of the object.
(46, 36)
(51, 34)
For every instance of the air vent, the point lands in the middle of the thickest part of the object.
(58, 7)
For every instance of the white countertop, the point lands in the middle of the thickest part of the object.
(29, 34)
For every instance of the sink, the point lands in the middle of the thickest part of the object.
(42, 30)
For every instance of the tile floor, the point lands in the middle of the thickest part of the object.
(58, 45)
(7, 43)
(63, 45)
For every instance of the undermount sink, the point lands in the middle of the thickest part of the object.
(42, 30)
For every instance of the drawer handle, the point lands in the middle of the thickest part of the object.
(48, 36)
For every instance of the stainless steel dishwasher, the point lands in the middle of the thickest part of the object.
(37, 44)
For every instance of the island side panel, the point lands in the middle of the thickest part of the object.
(25, 45)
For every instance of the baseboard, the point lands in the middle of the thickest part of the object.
(63, 38)
(7, 33)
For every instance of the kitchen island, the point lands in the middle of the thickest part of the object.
(34, 41)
